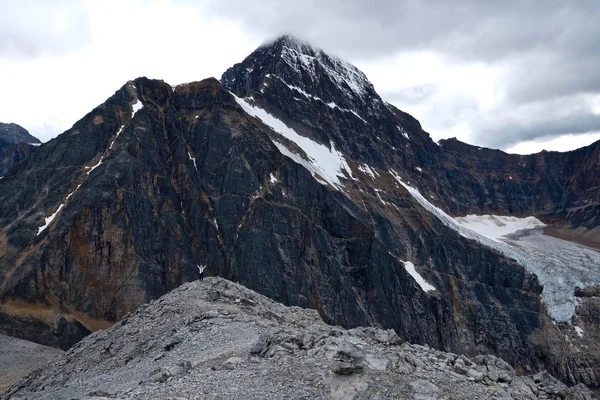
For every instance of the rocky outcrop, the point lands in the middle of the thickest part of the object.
(216, 339)
(572, 350)
(165, 178)
(16, 144)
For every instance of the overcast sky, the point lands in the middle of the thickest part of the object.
(517, 75)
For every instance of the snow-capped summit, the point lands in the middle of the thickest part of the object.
(293, 82)
(302, 56)
(309, 74)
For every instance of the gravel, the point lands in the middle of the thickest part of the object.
(219, 340)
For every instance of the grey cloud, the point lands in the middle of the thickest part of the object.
(470, 29)
(546, 127)
(546, 77)
(413, 95)
(37, 27)
(44, 132)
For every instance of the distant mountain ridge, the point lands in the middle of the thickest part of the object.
(16, 144)
(294, 178)
(15, 134)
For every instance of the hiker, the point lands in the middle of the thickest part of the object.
(201, 272)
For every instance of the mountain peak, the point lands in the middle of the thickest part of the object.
(307, 72)
(288, 41)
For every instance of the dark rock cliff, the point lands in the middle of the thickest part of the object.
(167, 178)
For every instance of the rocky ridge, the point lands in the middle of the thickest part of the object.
(217, 339)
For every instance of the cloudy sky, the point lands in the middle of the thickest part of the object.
(518, 75)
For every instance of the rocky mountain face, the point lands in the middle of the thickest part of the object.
(219, 340)
(288, 176)
(298, 84)
(16, 144)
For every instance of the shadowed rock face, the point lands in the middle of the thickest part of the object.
(190, 178)
(16, 144)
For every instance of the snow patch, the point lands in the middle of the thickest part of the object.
(354, 112)
(273, 179)
(419, 169)
(401, 129)
(115, 139)
(495, 226)
(332, 105)
(578, 330)
(93, 167)
(73, 192)
(324, 162)
(193, 160)
(367, 170)
(49, 219)
(300, 90)
(137, 106)
(379, 197)
(410, 268)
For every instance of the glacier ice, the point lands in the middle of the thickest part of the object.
(560, 265)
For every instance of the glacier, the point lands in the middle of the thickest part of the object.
(560, 265)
